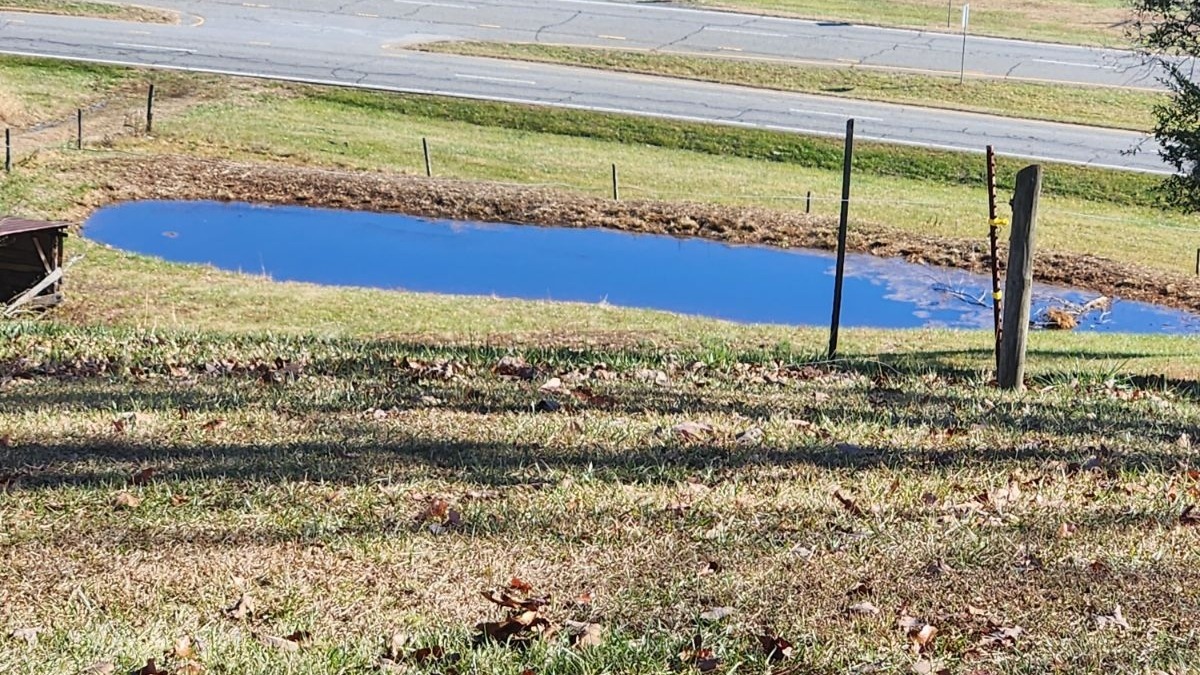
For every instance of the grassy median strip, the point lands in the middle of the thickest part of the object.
(97, 10)
(1096, 106)
(1089, 22)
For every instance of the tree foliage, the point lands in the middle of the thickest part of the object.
(1168, 33)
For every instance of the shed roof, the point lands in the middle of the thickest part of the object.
(11, 225)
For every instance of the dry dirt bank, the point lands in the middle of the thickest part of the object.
(172, 177)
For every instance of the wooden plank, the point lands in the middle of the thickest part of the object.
(33, 292)
(1018, 281)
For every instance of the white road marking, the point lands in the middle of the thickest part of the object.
(612, 37)
(259, 44)
(829, 114)
(1077, 64)
(509, 99)
(743, 32)
(139, 32)
(489, 78)
(255, 4)
(451, 5)
(730, 49)
(155, 47)
(369, 16)
(488, 25)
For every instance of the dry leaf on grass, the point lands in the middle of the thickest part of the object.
(848, 503)
(699, 656)
(920, 634)
(1190, 515)
(927, 667)
(692, 431)
(288, 643)
(151, 668)
(144, 476)
(519, 584)
(125, 500)
(863, 607)
(1001, 637)
(100, 668)
(183, 648)
(1114, 620)
(29, 635)
(585, 635)
(242, 608)
(715, 613)
(775, 647)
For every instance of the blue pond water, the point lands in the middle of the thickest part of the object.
(693, 276)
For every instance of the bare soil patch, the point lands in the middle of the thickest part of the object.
(185, 178)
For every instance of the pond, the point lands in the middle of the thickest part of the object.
(752, 284)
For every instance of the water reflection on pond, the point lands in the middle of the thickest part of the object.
(741, 283)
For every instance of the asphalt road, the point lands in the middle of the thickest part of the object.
(361, 44)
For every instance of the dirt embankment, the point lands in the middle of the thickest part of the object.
(170, 177)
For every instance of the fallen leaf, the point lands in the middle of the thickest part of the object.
(585, 598)
(1114, 620)
(919, 633)
(188, 667)
(515, 367)
(242, 608)
(213, 425)
(775, 647)
(183, 648)
(100, 668)
(847, 503)
(863, 607)
(144, 476)
(716, 613)
(290, 643)
(927, 667)
(125, 500)
(585, 635)
(1190, 515)
(751, 436)
(519, 584)
(859, 588)
(1066, 530)
(547, 405)
(149, 669)
(178, 500)
(692, 430)
(29, 635)
(1001, 636)
(708, 567)
(552, 384)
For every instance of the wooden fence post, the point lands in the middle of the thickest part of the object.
(150, 109)
(1018, 282)
(808, 202)
(79, 128)
(841, 249)
(428, 165)
(616, 193)
(8, 153)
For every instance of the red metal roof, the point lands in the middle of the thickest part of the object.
(11, 225)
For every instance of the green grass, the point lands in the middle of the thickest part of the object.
(1091, 22)
(284, 441)
(1105, 107)
(909, 190)
(99, 10)
(33, 90)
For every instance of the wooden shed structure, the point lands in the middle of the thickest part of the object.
(31, 259)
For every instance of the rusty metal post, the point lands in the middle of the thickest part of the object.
(616, 192)
(993, 225)
(428, 164)
(150, 109)
(843, 223)
(79, 128)
(8, 151)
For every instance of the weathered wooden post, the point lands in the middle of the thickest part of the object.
(428, 165)
(808, 202)
(150, 109)
(8, 155)
(79, 128)
(616, 193)
(1018, 282)
(841, 246)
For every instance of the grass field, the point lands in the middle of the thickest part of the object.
(100, 10)
(1093, 22)
(1104, 107)
(223, 474)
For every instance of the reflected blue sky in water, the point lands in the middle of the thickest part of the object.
(693, 276)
